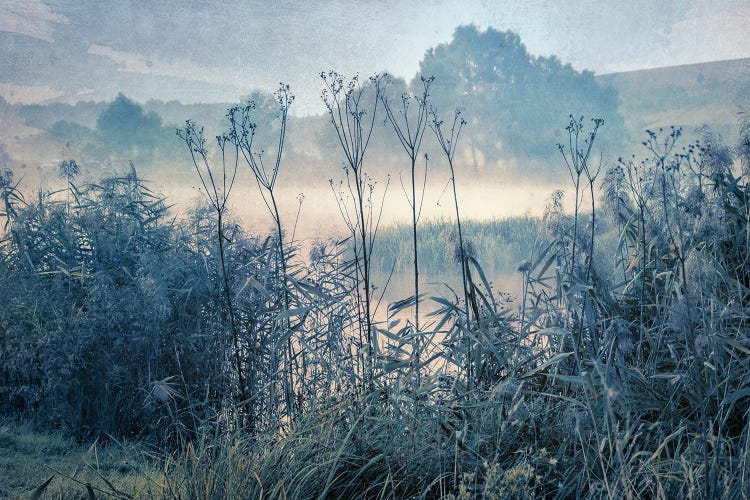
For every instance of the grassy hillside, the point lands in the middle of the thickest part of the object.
(688, 96)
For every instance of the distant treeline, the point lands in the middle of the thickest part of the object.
(512, 99)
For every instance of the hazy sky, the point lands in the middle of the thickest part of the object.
(219, 51)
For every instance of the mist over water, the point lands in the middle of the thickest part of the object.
(319, 219)
(319, 216)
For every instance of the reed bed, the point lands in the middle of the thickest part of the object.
(249, 370)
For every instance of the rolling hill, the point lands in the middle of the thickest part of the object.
(688, 95)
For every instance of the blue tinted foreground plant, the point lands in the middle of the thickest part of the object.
(620, 373)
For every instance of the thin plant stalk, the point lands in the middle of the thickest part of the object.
(353, 127)
(449, 144)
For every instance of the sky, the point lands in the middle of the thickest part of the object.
(220, 51)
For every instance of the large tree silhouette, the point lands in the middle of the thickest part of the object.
(516, 103)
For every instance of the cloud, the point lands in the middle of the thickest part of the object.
(708, 31)
(32, 18)
(28, 94)
(712, 33)
(183, 69)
